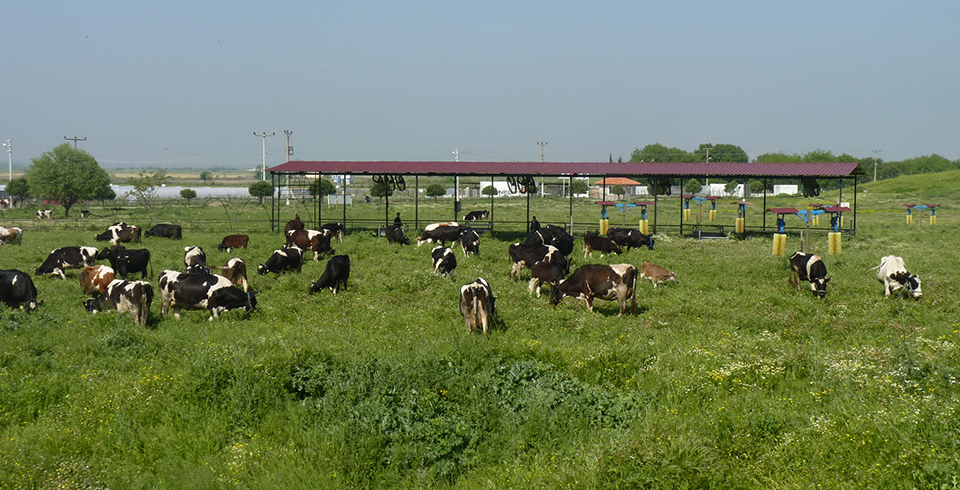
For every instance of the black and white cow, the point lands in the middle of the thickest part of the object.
(336, 229)
(441, 233)
(809, 267)
(316, 240)
(892, 272)
(17, 290)
(84, 213)
(211, 292)
(124, 296)
(470, 242)
(476, 215)
(630, 238)
(166, 231)
(526, 254)
(599, 243)
(395, 234)
(444, 260)
(477, 305)
(120, 232)
(554, 236)
(44, 214)
(194, 259)
(125, 261)
(65, 258)
(544, 272)
(334, 276)
(609, 282)
(284, 259)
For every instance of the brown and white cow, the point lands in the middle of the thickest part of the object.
(608, 282)
(94, 280)
(892, 272)
(10, 235)
(477, 305)
(236, 272)
(124, 296)
(599, 243)
(120, 232)
(231, 242)
(318, 241)
(655, 273)
(544, 272)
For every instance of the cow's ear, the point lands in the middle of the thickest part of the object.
(826, 280)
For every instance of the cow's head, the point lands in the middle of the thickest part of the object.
(819, 287)
(91, 305)
(914, 286)
(906, 283)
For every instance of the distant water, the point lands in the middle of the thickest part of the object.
(174, 191)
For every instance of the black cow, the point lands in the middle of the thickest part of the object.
(231, 242)
(395, 235)
(476, 215)
(336, 229)
(120, 232)
(599, 243)
(630, 238)
(444, 261)
(17, 290)
(477, 304)
(202, 292)
(334, 276)
(525, 255)
(284, 259)
(318, 241)
(544, 272)
(441, 233)
(609, 282)
(132, 296)
(553, 236)
(809, 267)
(470, 242)
(165, 231)
(125, 261)
(84, 213)
(67, 258)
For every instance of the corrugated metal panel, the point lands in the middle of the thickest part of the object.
(572, 168)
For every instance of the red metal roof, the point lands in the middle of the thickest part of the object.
(571, 168)
(783, 210)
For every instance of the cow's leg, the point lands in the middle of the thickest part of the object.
(533, 283)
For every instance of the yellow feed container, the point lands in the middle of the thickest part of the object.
(779, 244)
(604, 226)
(713, 215)
(686, 214)
(835, 243)
(816, 220)
(909, 219)
(741, 225)
(933, 219)
(645, 226)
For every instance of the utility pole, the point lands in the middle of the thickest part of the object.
(289, 148)
(263, 163)
(876, 153)
(541, 150)
(75, 139)
(456, 186)
(541, 144)
(9, 145)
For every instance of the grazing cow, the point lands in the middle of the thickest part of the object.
(231, 242)
(630, 238)
(126, 261)
(655, 273)
(553, 236)
(123, 296)
(4, 203)
(476, 215)
(526, 255)
(44, 214)
(294, 224)
(477, 304)
(544, 272)
(10, 235)
(334, 276)
(441, 233)
(444, 261)
(895, 278)
(166, 231)
(17, 290)
(395, 235)
(94, 280)
(470, 242)
(84, 213)
(202, 292)
(318, 241)
(194, 256)
(65, 258)
(236, 272)
(120, 232)
(809, 267)
(609, 282)
(599, 243)
(284, 259)
(335, 229)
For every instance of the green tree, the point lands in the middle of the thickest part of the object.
(778, 157)
(579, 187)
(489, 191)
(435, 191)
(206, 175)
(721, 152)
(322, 187)
(105, 193)
(188, 194)
(731, 187)
(693, 186)
(145, 186)
(659, 153)
(260, 189)
(19, 188)
(618, 190)
(66, 174)
(381, 190)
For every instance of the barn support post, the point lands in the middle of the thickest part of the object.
(273, 205)
(840, 200)
(570, 192)
(344, 186)
(493, 190)
(320, 200)
(854, 231)
(416, 203)
(681, 206)
(764, 204)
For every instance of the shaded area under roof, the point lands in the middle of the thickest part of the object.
(834, 170)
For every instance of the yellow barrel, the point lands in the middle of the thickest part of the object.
(835, 244)
(741, 225)
(816, 220)
(713, 215)
(604, 226)
(686, 214)
(909, 219)
(779, 243)
(645, 226)
(933, 219)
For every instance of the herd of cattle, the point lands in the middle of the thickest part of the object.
(546, 253)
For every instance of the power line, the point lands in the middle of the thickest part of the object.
(75, 139)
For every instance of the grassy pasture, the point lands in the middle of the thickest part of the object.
(727, 378)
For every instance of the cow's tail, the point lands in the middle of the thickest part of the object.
(145, 299)
(874, 268)
(633, 287)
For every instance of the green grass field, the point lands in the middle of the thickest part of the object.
(726, 378)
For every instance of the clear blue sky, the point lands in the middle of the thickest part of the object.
(186, 84)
